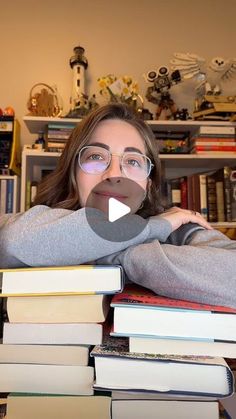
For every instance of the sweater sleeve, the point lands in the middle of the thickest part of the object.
(204, 270)
(43, 236)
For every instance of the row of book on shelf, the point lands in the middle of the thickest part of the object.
(212, 193)
(207, 138)
(78, 342)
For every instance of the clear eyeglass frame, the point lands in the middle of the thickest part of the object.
(131, 174)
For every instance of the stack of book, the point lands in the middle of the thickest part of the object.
(52, 318)
(169, 354)
(57, 136)
(214, 139)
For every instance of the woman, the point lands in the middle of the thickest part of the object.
(113, 154)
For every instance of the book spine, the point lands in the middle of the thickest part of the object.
(175, 192)
(216, 130)
(184, 192)
(214, 148)
(214, 139)
(9, 196)
(227, 193)
(214, 143)
(203, 196)
(3, 196)
(211, 198)
(233, 194)
(220, 200)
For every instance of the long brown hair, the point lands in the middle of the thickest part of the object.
(59, 189)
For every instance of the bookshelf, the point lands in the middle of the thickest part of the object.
(173, 165)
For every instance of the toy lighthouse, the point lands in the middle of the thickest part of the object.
(79, 64)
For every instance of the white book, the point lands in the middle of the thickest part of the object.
(48, 379)
(193, 376)
(52, 334)
(140, 312)
(182, 347)
(217, 130)
(82, 279)
(58, 407)
(45, 354)
(139, 409)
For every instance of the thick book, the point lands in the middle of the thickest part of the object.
(199, 376)
(82, 279)
(58, 308)
(195, 347)
(58, 407)
(139, 409)
(139, 311)
(48, 379)
(45, 354)
(52, 334)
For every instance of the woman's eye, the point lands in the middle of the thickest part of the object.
(133, 162)
(94, 157)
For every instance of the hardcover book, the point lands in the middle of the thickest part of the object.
(48, 379)
(199, 376)
(52, 334)
(137, 409)
(58, 308)
(82, 279)
(139, 311)
(58, 407)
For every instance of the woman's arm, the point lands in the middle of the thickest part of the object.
(43, 236)
(203, 269)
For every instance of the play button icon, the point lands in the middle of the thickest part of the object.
(116, 209)
(111, 209)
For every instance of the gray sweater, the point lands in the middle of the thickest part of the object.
(190, 263)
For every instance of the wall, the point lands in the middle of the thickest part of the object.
(125, 37)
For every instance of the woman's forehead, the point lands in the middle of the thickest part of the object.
(117, 133)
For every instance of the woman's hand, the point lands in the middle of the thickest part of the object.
(179, 216)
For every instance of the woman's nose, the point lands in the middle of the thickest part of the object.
(114, 169)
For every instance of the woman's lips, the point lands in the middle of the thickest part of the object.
(111, 195)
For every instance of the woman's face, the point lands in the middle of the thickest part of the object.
(95, 189)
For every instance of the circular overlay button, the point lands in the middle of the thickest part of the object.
(116, 201)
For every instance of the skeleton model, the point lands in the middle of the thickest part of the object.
(209, 74)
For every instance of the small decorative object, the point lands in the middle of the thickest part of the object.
(162, 80)
(79, 99)
(122, 89)
(182, 114)
(40, 142)
(43, 101)
(9, 111)
(173, 142)
(209, 104)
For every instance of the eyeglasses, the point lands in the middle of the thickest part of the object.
(95, 160)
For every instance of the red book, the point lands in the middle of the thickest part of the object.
(139, 311)
(215, 148)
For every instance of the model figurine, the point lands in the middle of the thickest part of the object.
(79, 99)
(159, 94)
(209, 74)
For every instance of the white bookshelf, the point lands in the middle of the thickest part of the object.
(174, 165)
